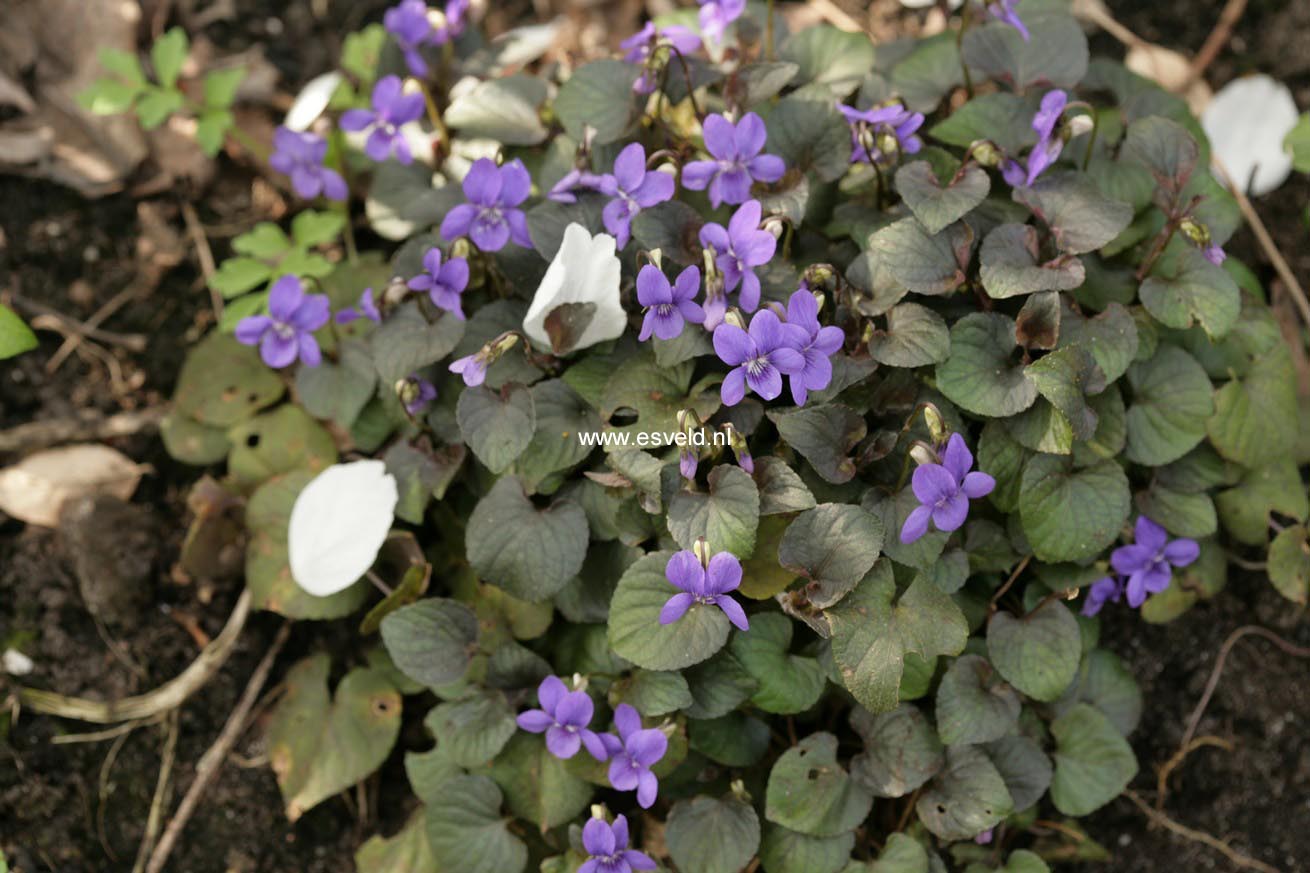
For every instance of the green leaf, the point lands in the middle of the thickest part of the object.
(718, 686)
(712, 835)
(871, 634)
(156, 105)
(1105, 682)
(406, 852)
(340, 389)
(1023, 766)
(504, 110)
(1065, 378)
(473, 729)
(735, 740)
(467, 832)
(673, 227)
(1111, 337)
(832, 546)
(1165, 148)
(108, 96)
(654, 393)
(915, 337)
(561, 414)
(839, 59)
(1255, 417)
(1171, 403)
(1003, 118)
(191, 442)
(981, 374)
(1193, 290)
(1181, 513)
(211, 131)
(168, 54)
(236, 276)
(811, 136)
(1003, 459)
(124, 64)
(361, 51)
(787, 684)
(635, 631)
(599, 95)
(538, 787)
(1055, 53)
(313, 228)
(781, 488)
(1297, 142)
(1276, 487)
(265, 242)
(1093, 762)
(1010, 265)
(973, 704)
(529, 553)
(15, 336)
(401, 200)
(1038, 653)
(930, 72)
(783, 850)
(652, 692)
(431, 641)
(407, 341)
(1080, 217)
(966, 798)
(924, 262)
(901, 751)
(901, 854)
(727, 515)
(320, 745)
(1289, 563)
(763, 80)
(221, 87)
(824, 435)
(810, 793)
(421, 473)
(497, 425)
(278, 442)
(1068, 514)
(936, 206)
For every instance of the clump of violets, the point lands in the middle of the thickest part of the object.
(443, 282)
(416, 393)
(1049, 142)
(607, 846)
(287, 332)
(668, 306)
(738, 162)
(492, 217)
(738, 250)
(392, 109)
(632, 753)
(880, 134)
(366, 308)
(759, 356)
(563, 718)
(642, 45)
(633, 188)
(944, 491)
(300, 156)
(414, 26)
(716, 15)
(703, 580)
(817, 350)
(1003, 10)
(1147, 564)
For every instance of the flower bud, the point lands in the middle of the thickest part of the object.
(503, 343)
(461, 248)
(737, 440)
(1079, 124)
(734, 317)
(775, 226)
(395, 292)
(437, 19)
(986, 153)
(1195, 231)
(936, 426)
(922, 454)
(701, 549)
(888, 145)
(407, 390)
(656, 257)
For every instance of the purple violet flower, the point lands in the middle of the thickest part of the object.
(633, 188)
(738, 250)
(608, 847)
(1003, 10)
(287, 332)
(574, 180)
(473, 368)
(716, 15)
(367, 309)
(1108, 589)
(420, 392)
(1049, 143)
(632, 753)
(820, 345)
(944, 491)
(1148, 562)
(443, 282)
(984, 838)
(408, 24)
(491, 216)
(687, 464)
(300, 156)
(642, 44)
(668, 307)
(392, 108)
(563, 717)
(759, 357)
(873, 125)
(704, 585)
(737, 160)
(1215, 254)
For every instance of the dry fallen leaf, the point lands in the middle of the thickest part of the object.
(36, 489)
(1173, 72)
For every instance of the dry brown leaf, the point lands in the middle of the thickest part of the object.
(36, 489)
(1172, 70)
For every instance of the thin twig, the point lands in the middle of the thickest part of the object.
(101, 315)
(133, 342)
(1215, 42)
(1000, 592)
(212, 760)
(168, 696)
(107, 734)
(83, 425)
(162, 790)
(1162, 777)
(1198, 836)
(204, 253)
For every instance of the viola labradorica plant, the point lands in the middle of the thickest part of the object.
(954, 314)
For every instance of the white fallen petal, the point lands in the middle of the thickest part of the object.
(36, 488)
(338, 524)
(15, 663)
(1247, 122)
(585, 270)
(312, 101)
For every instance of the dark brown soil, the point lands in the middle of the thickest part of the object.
(81, 806)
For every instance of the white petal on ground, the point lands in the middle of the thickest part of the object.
(36, 488)
(312, 101)
(585, 270)
(15, 663)
(1247, 122)
(338, 524)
